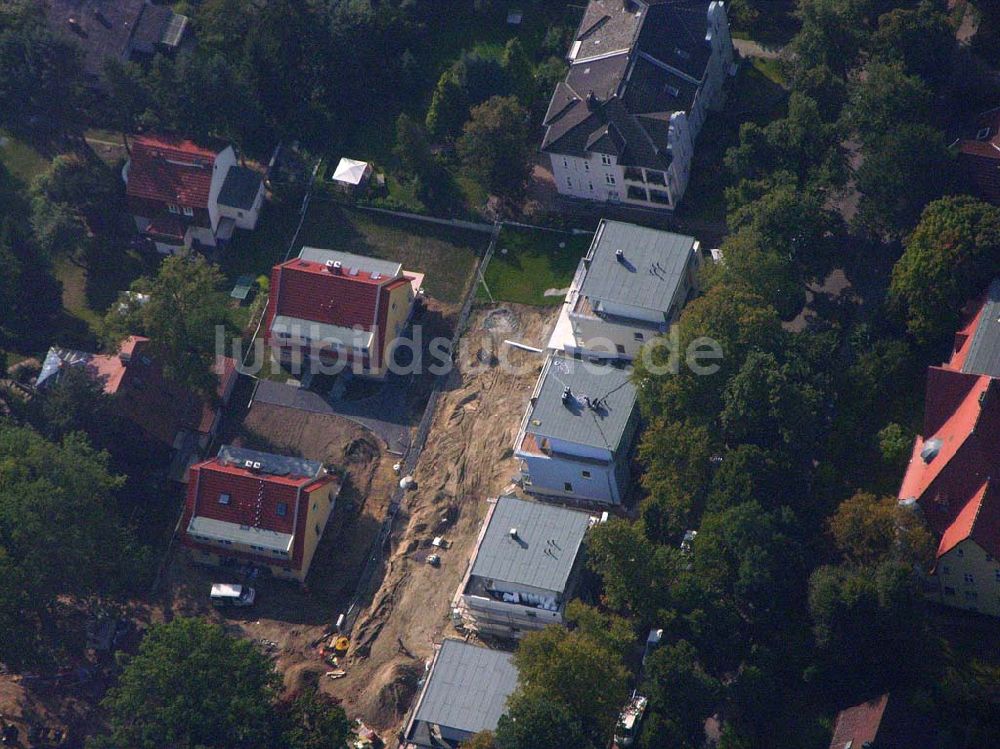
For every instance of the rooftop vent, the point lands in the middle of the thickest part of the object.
(567, 395)
(512, 533)
(592, 101)
(376, 276)
(930, 450)
(252, 465)
(620, 256)
(333, 265)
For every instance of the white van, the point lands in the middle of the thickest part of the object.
(224, 594)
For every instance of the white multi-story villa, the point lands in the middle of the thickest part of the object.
(643, 75)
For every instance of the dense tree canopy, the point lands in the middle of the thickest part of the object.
(191, 685)
(570, 675)
(495, 148)
(183, 318)
(40, 72)
(59, 536)
(949, 258)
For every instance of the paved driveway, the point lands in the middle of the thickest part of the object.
(384, 413)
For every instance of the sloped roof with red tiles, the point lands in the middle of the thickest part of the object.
(253, 494)
(978, 520)
(856, 725)
(888, 722)
(169, 169)
(954, 460)
(979, 156)
(956, 443)
(348, 297)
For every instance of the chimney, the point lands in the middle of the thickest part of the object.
(567, 396)
(513, 533)
(620, 256)
(592, 101)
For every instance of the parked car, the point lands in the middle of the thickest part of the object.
(224, 594)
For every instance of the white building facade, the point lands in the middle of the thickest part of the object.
(524, 569)
(577, 433)
(629, 288)
(622, 127)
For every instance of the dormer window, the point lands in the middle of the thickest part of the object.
(173, 208)
(224, 499)
(188, 211)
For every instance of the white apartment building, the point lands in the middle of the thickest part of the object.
(523, 570)
(628, 289)
(643, 75)
(577, 433)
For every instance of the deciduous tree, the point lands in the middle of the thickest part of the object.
(191, 686)
(949, 258)
(182, 318)
(496, 149)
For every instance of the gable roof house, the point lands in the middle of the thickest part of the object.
(576, 436)
(163, 411)
(979, 156)
(120, 30)
(954, 468)
(524, 569)
(630, 287)
(255, 508)
(885, 722)
(643, 75)
(464, 693)
(183, 194)
(339, 309)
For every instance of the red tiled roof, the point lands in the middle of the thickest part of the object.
(962, 418)
(979, 157)
(158, 406)
(858, 724)
(309, 291)
(253, 498)
(168, 169)
(979, 521)
(167, 226)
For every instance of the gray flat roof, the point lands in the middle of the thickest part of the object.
(602, 424)
(547, 544)
(240, 188)
(361, 262)
(467, 688)
(648, 275)
(277, 465)
(984, 351)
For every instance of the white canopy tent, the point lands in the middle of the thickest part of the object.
(351, 172)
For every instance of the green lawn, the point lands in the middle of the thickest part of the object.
(20, 159)
(534, 262)
(445, 255)
(770, 69)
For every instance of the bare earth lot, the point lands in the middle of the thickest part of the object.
(466, 460)
(289, 619)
